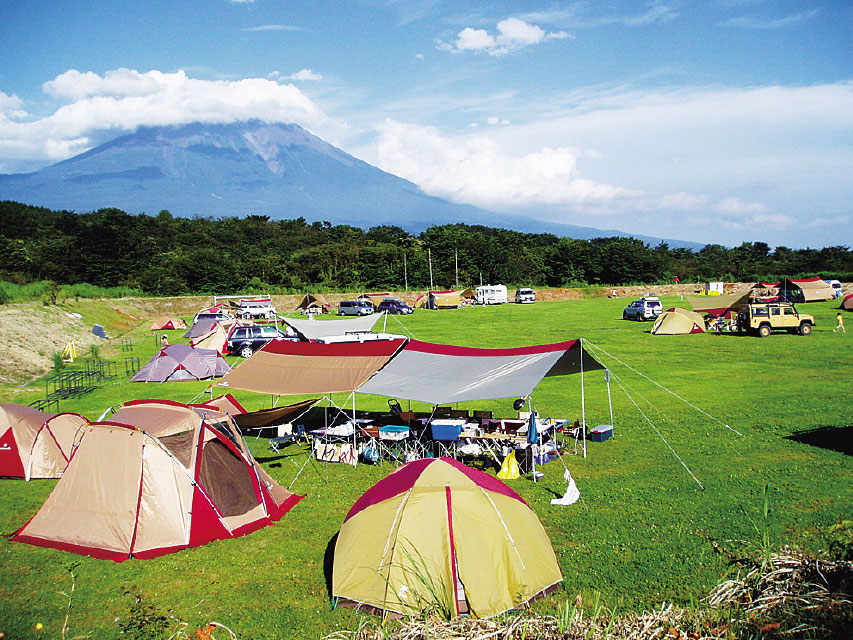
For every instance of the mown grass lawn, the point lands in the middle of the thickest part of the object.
(639, 538)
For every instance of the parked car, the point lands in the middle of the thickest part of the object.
(217, 316)
(246, 340)
(646, 308)
(393, 306)
(836, 287)
(355, 308)
(254, 309)
(525, 296)
(762, 319)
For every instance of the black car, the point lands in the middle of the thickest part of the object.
(246, 340)
(393, 306)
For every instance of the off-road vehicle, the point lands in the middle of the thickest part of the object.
(646, 308)
(763, 318)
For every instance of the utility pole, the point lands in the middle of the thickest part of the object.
(405, 273)
(429, 255)
(456, 261)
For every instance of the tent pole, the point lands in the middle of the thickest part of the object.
(583, 404)
(530, 425)
(609, 399)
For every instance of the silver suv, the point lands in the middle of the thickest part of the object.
(646, 308)
(355, 308)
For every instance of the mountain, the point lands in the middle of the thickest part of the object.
(252, 168)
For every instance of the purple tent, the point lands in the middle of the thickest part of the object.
(182, 362)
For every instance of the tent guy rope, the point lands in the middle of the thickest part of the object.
(657, 384)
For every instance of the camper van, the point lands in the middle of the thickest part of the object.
(491, 294)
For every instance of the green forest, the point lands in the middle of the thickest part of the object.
(165, 255)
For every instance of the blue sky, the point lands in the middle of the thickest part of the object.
(715, 121)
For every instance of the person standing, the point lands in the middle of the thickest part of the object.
(840, 320)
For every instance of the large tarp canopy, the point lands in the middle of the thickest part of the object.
(315, 329)
(285, 368)
(810, 289)
(718, 305)
(440, 374)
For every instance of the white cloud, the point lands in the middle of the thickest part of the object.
(735, 205)
(123, 99)
(273, 27)
(682, 202)
(754, 22)
(512, 34)
(305, 74)
(475, 170)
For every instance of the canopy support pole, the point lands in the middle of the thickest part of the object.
(609, 400)
(583, 404)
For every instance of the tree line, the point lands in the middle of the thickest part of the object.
(166, 255)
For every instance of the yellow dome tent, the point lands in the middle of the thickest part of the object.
(438, 536)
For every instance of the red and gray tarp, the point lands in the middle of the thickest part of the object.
(442, 374)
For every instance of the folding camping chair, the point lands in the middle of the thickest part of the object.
(283, 439)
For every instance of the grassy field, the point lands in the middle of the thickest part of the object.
(641, 536)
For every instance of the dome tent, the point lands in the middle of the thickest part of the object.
(162, 323)
(182, 362)
(678, 321)
(159, 477)
(437, 534)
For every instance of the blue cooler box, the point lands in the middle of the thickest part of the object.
(446, 430)
(601, 433)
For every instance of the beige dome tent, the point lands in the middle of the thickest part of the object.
(158, 477)
(19, 425)
(54, 444)
(678, 321)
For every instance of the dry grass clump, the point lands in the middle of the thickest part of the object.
(787, 594)
(791, 593)
(667, 622)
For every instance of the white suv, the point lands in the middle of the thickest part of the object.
(646, 308)
(254, 309)
(525, 296)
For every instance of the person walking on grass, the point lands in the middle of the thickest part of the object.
(840, 319)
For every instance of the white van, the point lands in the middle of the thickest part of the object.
(491, 294)
(836, 287)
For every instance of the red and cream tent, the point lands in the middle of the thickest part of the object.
(847, 303)
(436, 534)
(158, 477)
(34, 444)
(19, 425)
(54, 445)
(167, 322)
(807, 290)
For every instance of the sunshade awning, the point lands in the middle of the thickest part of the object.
(440, 374)
(315, 329)
(285, 368)
(718, 305)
